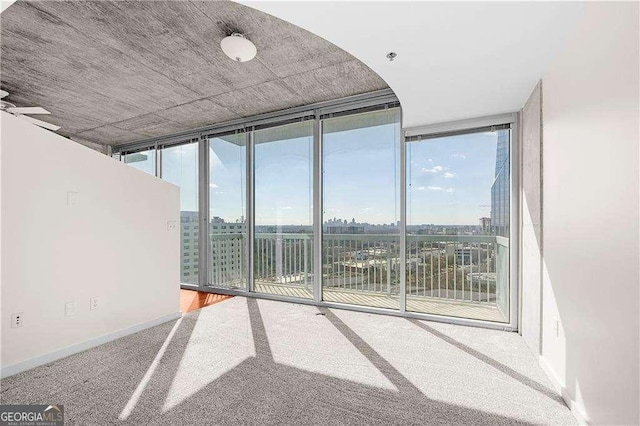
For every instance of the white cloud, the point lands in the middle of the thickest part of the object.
(213, 185)
(449, 175)
(430, 160)
(460, 156)
(434, 169)
(434, 188)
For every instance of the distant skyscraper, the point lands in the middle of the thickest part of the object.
(485, 225)
(500, 195)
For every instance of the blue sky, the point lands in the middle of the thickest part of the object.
(449, 178)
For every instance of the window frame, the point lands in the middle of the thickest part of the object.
(318, 113)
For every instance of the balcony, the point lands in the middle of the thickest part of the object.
(458, 276)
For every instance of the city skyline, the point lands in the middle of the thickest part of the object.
(449, 179)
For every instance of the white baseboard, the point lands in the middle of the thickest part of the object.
(10, 370)
(577, 411)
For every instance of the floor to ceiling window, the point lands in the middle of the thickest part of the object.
(283, 246)
(361, 185)
(454, 259)
(180, 167)
(457, 224)
(227, 211)
(142, 160)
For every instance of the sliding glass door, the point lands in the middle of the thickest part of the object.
(227, 211)
(180, 167)
(339, 208)
(458, 225)
(361, 184)
(283, 246)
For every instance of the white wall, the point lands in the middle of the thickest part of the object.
(531, 209)
(590, 198)
(113, 244)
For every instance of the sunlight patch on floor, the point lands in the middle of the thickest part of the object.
(300, 338)
(220, 341)
(126, 411)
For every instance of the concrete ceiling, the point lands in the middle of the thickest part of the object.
(113, 72)
(456, 60)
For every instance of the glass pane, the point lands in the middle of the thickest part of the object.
(144, 160)
(361, 241)
(180, 167)
(283, 248)
(458, 226)
(227, 212)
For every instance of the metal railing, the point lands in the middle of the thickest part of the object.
(227, 267)
(284, 259)
(361, 262)
(457, 268)
(452, 267)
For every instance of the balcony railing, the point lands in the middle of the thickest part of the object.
(227, 267)
(284, 259)
(456, 268)
(452, 267)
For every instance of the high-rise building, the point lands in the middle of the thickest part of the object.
(227, 253)
(485, 225)
(189, 241)
(226, 248)
(500, 197)
(189, 247)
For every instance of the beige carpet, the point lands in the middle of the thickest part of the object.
(248, 361)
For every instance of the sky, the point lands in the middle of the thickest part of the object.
(449, 179)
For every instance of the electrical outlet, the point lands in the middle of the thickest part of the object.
(94, 303)
(171, 225)
(17, 320)
(69, 309)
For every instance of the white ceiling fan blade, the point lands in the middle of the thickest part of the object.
(39, 122)
(3, 93)
(27, 110)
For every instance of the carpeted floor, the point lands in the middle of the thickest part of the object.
(248, 361)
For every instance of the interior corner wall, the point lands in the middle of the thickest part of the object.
(531, 210)
(77, 224)
(590, 321)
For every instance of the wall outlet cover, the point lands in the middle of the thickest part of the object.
(69, 309)
(94, 303)
(17, 320)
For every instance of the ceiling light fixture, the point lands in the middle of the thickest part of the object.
(238, 47)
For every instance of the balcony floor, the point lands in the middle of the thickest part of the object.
(427, 305)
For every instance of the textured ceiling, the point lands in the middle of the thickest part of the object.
(113, 72)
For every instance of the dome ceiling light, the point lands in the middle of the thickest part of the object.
(238, 47)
